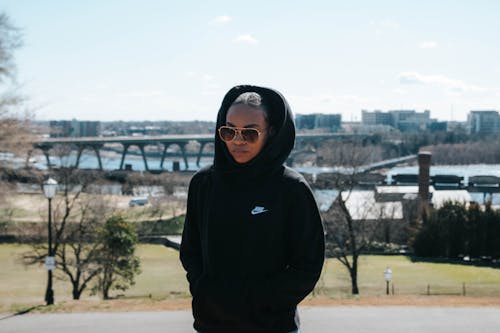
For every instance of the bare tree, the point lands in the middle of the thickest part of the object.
(79, 252)
(348, 235)
(14, 125)
(15, 137)
(76, 218)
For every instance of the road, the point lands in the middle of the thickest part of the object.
(314, 319)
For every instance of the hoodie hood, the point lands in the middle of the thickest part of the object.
(277, 148)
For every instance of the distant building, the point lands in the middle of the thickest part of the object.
(483, 122)
(74, 128)
(404, 120)
(358, 128)
(410, 120)
(331, 122)
(376, 117)
(437, 126)
(456, 126)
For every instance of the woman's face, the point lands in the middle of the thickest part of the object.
(244, 116)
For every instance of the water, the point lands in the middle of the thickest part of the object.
(89, 161)
(112, 162)
(465, 171)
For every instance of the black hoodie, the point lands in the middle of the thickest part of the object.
(253, 242)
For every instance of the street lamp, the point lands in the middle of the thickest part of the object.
(388, 276)
(49, 190)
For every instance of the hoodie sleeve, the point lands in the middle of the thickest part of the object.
(190, 250)
(306, 248)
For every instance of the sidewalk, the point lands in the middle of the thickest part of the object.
(314, 319)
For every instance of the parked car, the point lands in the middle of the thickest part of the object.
(138, 201)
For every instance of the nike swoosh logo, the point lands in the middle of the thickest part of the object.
(258, 210)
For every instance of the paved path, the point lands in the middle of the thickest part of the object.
(314, 319)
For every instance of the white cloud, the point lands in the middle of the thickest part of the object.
(398, 91)
(139, 94)
(410, 78)
(453, 85)
(210, 92)
(103, 85)
(220, 20)
(388, 24)
(207, 77)
(191, 74)
(213, 85)
(429, 44)
(382, 26)
(385, 24)
(246, 39)
(347, 105)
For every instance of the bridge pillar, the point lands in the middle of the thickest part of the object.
(165, 147)
(125, 148)
(97, 149)
(184, 156)
(141, 147)
(198, 158)
(80, 148)
(47, 157)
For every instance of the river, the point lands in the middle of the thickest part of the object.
(112, 162)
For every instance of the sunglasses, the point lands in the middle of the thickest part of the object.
(250, 135)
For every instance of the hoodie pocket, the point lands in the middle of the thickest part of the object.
(266, 312)
(216, 303)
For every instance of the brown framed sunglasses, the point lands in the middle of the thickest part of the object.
(250, 135)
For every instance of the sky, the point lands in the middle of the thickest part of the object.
(175, 60)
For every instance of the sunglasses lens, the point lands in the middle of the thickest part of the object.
(227, 133)
(250, 135)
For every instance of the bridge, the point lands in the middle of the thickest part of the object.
(181, 140)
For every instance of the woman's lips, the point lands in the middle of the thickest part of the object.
(239, 151)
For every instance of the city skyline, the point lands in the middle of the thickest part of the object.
(152, 60)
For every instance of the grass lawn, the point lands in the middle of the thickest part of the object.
(410, 278)
(163, 278)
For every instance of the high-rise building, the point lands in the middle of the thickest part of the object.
(376, 117)
(404, 120)
(410, 120)
(74, 128)
(483, 122)
(331, 122)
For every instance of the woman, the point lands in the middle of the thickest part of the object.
(253, 241)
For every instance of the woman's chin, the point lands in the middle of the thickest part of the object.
(241, 158)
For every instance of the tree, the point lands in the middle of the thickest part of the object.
(430, 240)
(76, 218)
(454, 230)
(346, 236)
(79, 253)
(453, 217)
(117, 260)
(492, 221)
(14, 129)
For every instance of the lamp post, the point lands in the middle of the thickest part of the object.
(49, 190)
(388, 276)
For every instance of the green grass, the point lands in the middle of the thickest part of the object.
(20, 286)
(163, 277)
(411, 278)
